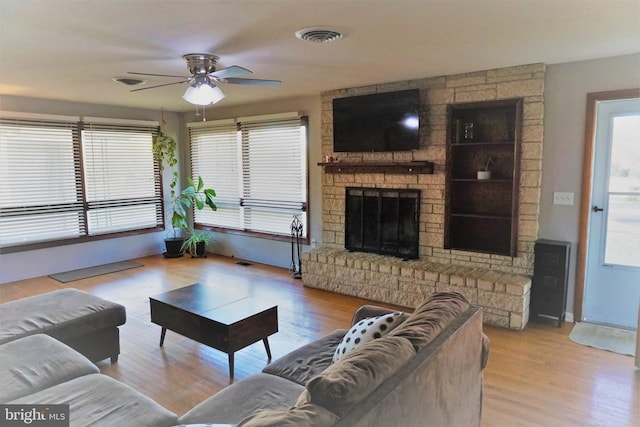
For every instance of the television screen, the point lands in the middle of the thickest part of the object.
(379, 122)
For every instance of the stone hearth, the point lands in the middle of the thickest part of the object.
(504, 297)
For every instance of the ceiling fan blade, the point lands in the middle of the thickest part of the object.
(166, 84)
(254, 82)
(232, 71)
(156, 75)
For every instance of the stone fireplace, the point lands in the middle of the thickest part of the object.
(500, 284)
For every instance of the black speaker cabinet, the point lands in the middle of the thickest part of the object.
(550, 281)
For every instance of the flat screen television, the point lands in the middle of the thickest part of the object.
(380, 122)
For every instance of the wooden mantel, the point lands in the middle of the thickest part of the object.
(412, 167)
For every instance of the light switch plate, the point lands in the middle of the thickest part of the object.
(563, 198)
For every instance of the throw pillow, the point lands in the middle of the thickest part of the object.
(366, 330)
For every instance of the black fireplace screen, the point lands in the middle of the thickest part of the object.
(382, 221)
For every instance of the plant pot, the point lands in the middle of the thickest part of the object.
(200, 250)
(173, 246)
(484, 175)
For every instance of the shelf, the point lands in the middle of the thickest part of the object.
(479, 216)
(482, 143)
(415, 167)
(482, 215)
(497, 180)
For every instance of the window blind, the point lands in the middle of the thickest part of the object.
(273, 174)
(215, 156)
(60, 181)
(121, 182)
(40, 181)
(258, 168)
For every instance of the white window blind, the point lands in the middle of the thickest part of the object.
(258, 168)
(274, 174)
(40, 186)
(215, 156)
(60, 182)
(120, 178)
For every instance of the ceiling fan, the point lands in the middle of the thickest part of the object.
(202, 90)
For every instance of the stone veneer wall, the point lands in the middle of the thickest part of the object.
(526, 82)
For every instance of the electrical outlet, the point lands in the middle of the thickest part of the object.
(314, 243)
(563, 198)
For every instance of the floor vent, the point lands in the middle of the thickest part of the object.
(243, 263)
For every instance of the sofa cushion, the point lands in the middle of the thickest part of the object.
(99, 400)
(36, 362)
(236, 402)
(429, 319)
(307, 415)
(62, 314)
(307, 361)
(357, 374)
(366, 330)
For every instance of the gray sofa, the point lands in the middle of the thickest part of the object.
(85, 322)
(426, 371)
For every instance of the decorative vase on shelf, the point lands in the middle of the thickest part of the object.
(484, 175)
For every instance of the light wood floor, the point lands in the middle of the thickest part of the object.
(536, 377)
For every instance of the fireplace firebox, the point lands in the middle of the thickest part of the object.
(382, 221)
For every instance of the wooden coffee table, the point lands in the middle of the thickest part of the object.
(217, 316)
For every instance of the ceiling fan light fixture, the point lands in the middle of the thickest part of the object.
(203, 92)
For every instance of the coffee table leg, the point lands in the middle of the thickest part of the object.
(266, 346)
(162, 334)
(231, 366)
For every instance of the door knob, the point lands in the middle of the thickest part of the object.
(596, 209)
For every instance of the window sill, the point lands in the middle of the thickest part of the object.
(77, 240)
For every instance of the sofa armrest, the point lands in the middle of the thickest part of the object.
(366, 311)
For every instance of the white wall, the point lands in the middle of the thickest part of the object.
(23, 265)
(263, 250)
(565, 96)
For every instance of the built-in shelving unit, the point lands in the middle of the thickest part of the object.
(482, 214)
(413, 167)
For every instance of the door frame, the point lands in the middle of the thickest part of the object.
(585, 198)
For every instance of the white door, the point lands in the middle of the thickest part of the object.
(612, 285)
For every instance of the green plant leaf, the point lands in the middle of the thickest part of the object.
(178, 221)
(209, 194)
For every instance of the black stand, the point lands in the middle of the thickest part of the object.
(296, 235)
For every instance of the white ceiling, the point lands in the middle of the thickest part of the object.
(70, 49)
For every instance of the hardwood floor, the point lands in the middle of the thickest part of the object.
(535, 377)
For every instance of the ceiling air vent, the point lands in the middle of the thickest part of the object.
(128, 81)
(319, 35)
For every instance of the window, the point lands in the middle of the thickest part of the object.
(258, 168)
(120, 178)
(63, 179)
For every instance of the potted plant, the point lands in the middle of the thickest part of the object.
(485, 173)
(196, 243)
(164, 151)
(195, 196)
